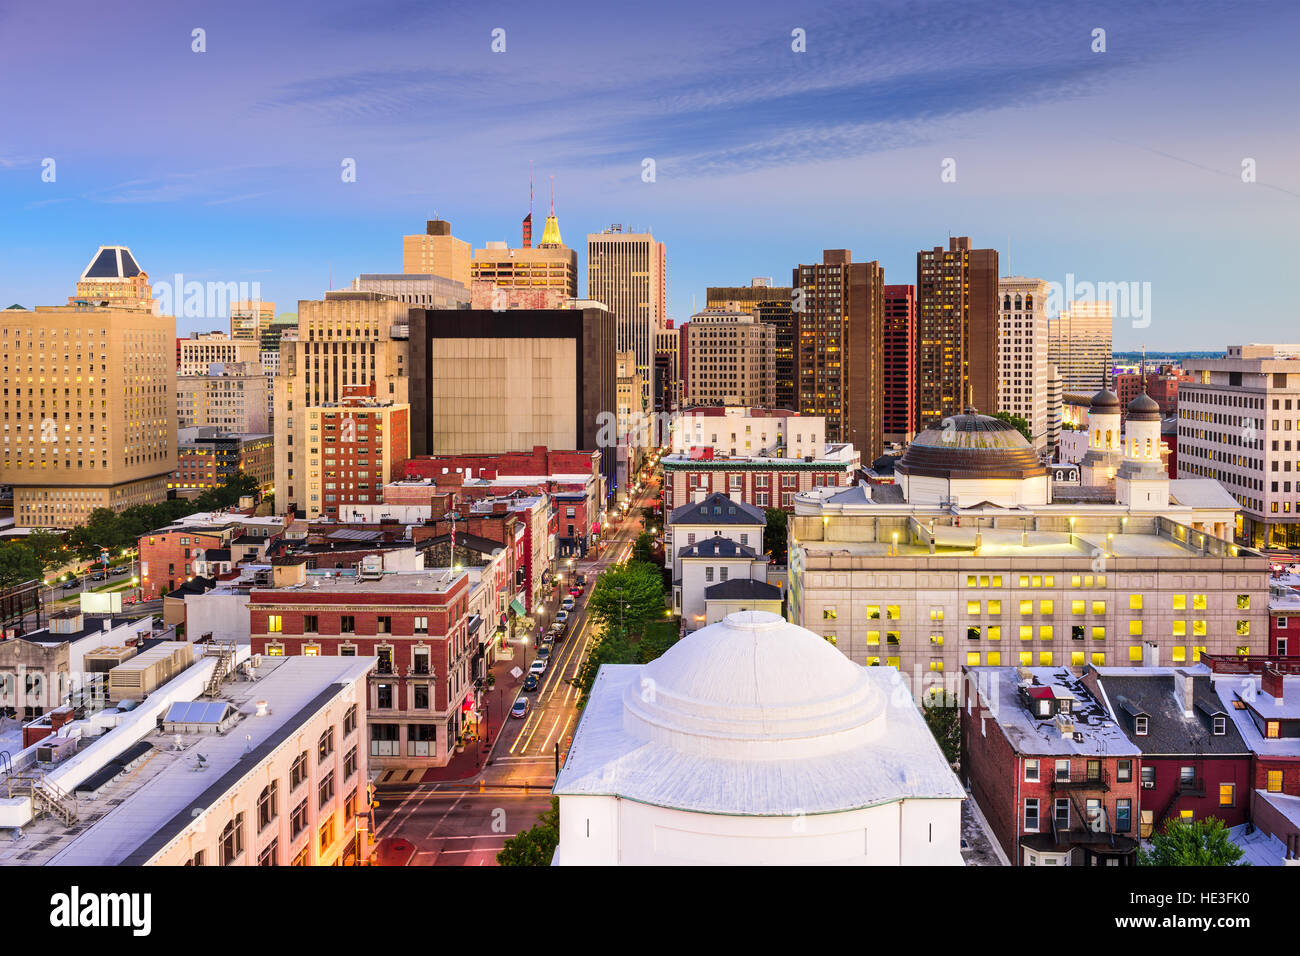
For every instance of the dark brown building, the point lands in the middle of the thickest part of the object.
(956, 331)
(839, 312)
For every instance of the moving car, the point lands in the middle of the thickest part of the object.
(530, 682)
(539, 667)
(520, 709)
(72, 585)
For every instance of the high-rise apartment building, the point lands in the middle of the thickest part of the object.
(1022, 348)
(668, 363)
(772, 305)
(839, 309)
(346, 339)
(1055, 408)
(627, 273)
(956, 330)
(731, 359)
(249, 320)
(113, 279)
(1079, 344)
(89, 410)
(232, 397)
(1239, 422)
(899, 345)
(437, 252)
(359, 441)
(203, 349)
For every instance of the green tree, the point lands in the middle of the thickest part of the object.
(945, 723)
(1192, 843)
(644, 548)
(47, 547)
(1021, 425)
(536, 845)
(18, 564)
(776, 536)
(627, 596)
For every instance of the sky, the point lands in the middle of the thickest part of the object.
(1168, 159)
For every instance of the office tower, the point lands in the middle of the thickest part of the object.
(1055, 405)
(731, 356)
(1022, 348)
(346, 339)
(203, 349)
(438, 253)
(956, 330)
(484, 382)
(230, 396)
(839, 309)
(899, 410)
(668, 364)
(113, 278)
(1239, 422)
(249, 320)
(99, 430)
(1079, 344)
(769, 304)
(627, 273)
(270, 341)
(532, 277)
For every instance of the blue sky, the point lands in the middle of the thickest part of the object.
(1122, 166)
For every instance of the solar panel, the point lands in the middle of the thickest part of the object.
(197, 712)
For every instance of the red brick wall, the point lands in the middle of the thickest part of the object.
(991, 768)
(158, 551)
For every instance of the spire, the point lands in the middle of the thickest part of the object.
(551, 231)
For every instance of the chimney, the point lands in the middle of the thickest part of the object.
(1271, 682)
(1183, 686)
(1150, 654)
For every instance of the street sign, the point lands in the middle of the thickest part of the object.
(516, 673)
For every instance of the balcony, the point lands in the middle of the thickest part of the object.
(1099, 780)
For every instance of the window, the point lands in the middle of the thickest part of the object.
(384, 696)
(1243, 602)
(325, 746)
(303, 857)
(1123, 815)
(1271, 728)
(347, 624)
(270, 855)
(828, 614)
(350, 763)
(1227, 794)
(196, 860)
(1135, 602)
(1140, 726)
(350, 720)
(1275, 781)
(873, 613)
(325, 791)
(309, 623)
(1031, 770)
(298, 772)
(708, 573)
(385, 655)
(1063, 770)
(1031, 815)
(232, 840)
(384, 624)
(1220, 726)
(421, 625)
(266, 805)
(1061, 810)
(1124, 771)
(273, 623)
(421, 696)
(1148, 777)
(327, 834)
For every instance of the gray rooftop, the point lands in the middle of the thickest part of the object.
(717, 508)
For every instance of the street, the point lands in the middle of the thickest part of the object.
(466, 822)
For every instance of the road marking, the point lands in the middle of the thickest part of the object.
(393, 817)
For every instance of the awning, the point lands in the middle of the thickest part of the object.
(517, 606)
(473, 624)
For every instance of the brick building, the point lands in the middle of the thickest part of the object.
(761, 482)
(1056, 779)
(168, 555)
(900, 363)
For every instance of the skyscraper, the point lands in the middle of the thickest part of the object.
(839, 309)
(769, 304)
(627, 273)
(438, 253)
(248, 320)
(900, 363)
(1079, 344)
(731, 359)
(1022, 359)
(668, 365)
(956, 330)
(113, 278)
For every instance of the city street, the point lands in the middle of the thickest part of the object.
(466, 822)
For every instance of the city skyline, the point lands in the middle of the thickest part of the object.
(1118, 166)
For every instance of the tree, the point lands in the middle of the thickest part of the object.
(1021, 425)
(627, 596)
(18, 564)
(536, 845)
(644, 548)
(776, 536)
(945, 723)
(47, 547)
(1192, 843)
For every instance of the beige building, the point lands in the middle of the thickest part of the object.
(1079, 345)
(113, 278)
(347, 339)
(633, 420)
(201, 350)
(749, 432)
(248, 320)
(89, 410)
(549, 268)
(1022, 353)
(230, 397)
(730, 359)
(437, 252)
(628, 273)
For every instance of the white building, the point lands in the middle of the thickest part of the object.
(1022, 353)
(754, 742)
(714, 542)
(748, 432)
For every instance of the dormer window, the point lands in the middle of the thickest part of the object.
(1220, 726)
(1140, 726)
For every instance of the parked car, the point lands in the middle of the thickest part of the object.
(548, 638)
(97, 577)
(543, 652)
(530, 682)
(520, 709)
(72, 585)
(562, 617)
(539, 667)
(568, 602)
(576, 590)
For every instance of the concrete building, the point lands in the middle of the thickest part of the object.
(232, 397)
(550, 268)
(899, 345)
(204, 349)
(668, 370)
(437, 252)
(744, 432)
(354, 447)
(348, 339)
(634, 420)
(484, 382)
(1079, 345)
(1054, 410)
(424, 290)
(105, 434)
(1239, 422)
(839, 314)
(956, 331)
(1022, 354)
(763, 482)
(834, 763)
(251, 319)
(628, 273)
(113, 279)
(416, 624)
(208, 457)
(771, 305)
(974, 552)
(730, 359)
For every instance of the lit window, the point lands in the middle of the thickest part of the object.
(972, 607)
(273, 623)
(1275, 781)
(1227, 794)
(1026, 607)
(1180, 602)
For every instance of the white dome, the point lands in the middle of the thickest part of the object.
(756, 686)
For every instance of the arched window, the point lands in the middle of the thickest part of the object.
(1006, 302)
(1149, 455)
(1029, 301)
(1096, 438)
(1110, 439)
(1018, 305)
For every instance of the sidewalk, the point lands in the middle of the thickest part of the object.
(468, 765)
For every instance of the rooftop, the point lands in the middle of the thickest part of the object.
(717, 508)
(431, 580)
(1153, 692)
